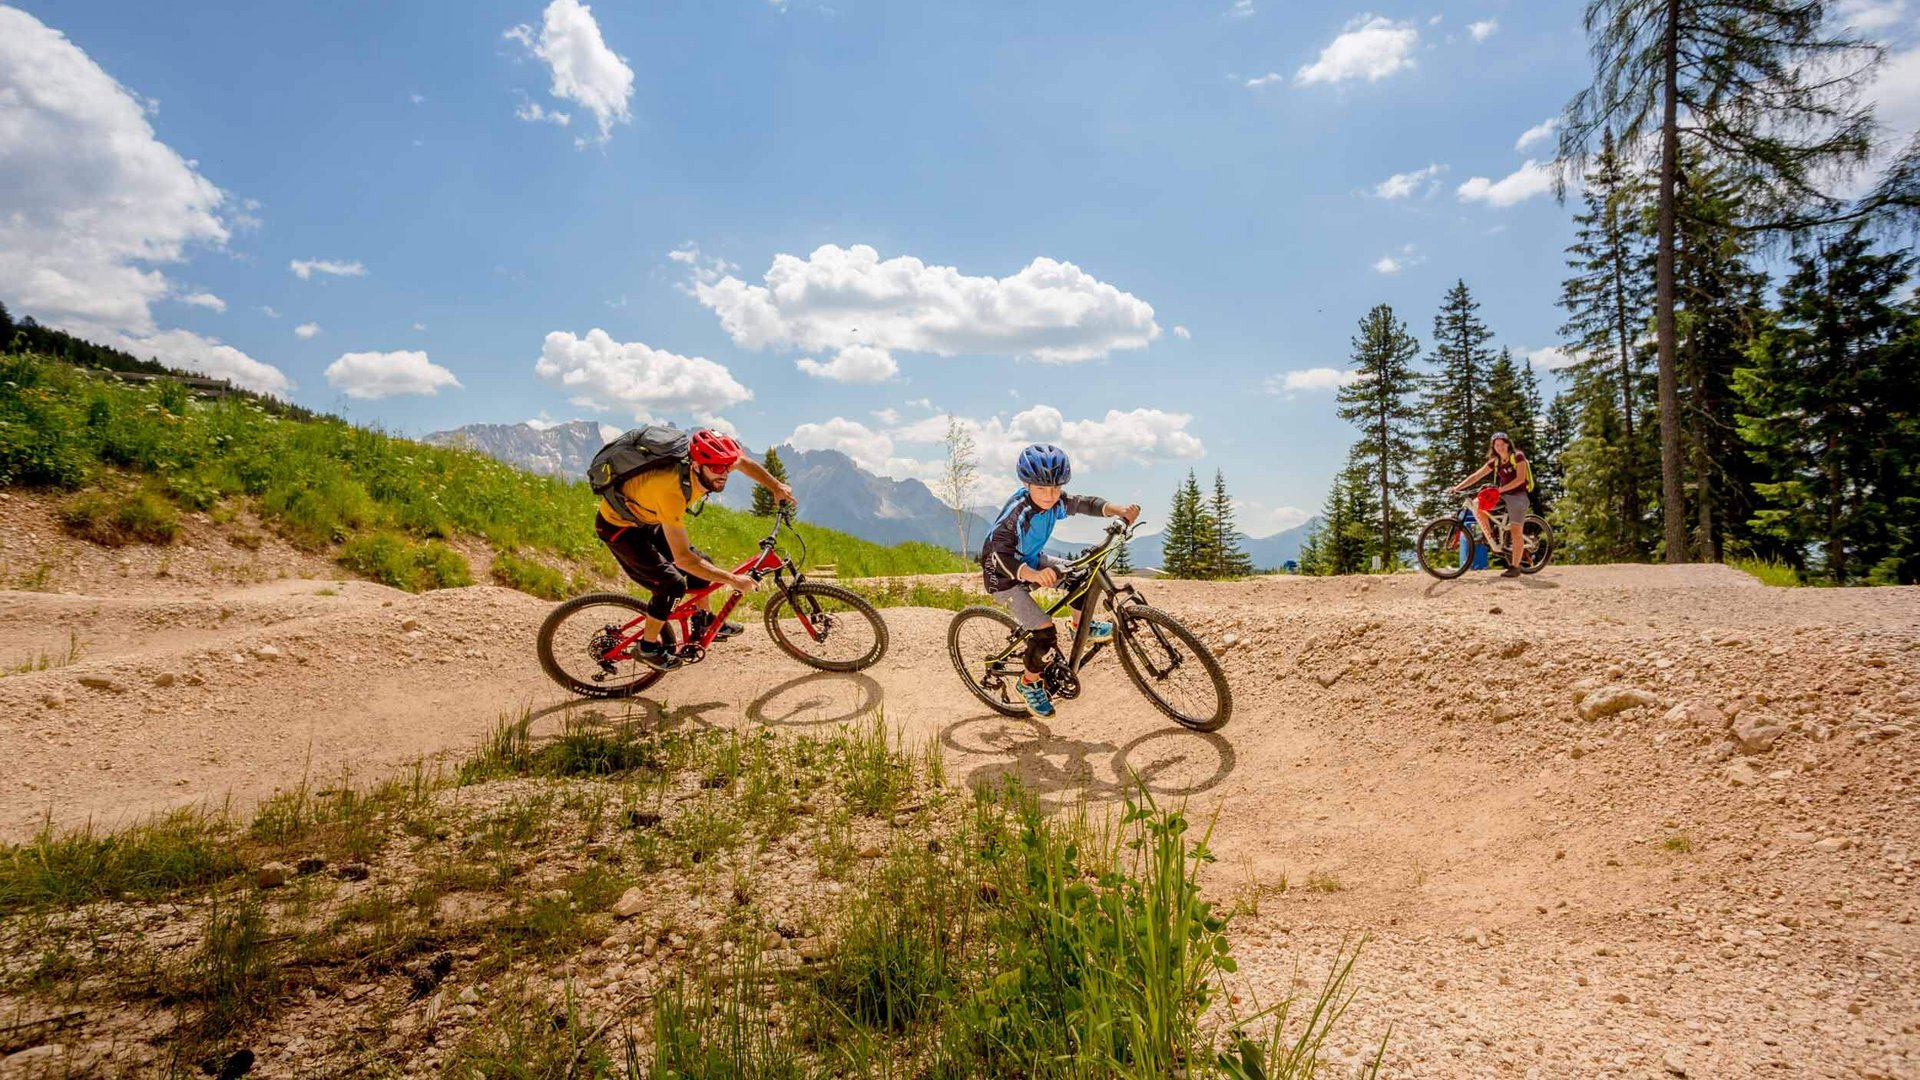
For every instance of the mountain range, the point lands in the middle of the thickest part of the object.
(833, 491)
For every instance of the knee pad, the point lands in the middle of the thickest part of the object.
(666, 594)
(1039, 644)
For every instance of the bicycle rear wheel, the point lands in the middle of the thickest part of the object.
(577, 637)
(1538, 537)
(974, 638)
(1172, 668)
(826, 627)
(1445, 548)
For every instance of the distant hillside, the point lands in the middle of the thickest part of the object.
(563, 450)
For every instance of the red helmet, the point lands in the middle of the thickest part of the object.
(714, 449)
(1489, 497)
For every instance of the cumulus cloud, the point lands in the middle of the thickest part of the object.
(1387, 264)
(584, 70)
(1372, 47)
(1182, 333)
(1241, 9)
(1869, 15)
(1551, 358)
(837, 297)
(651, 382)
(1483, 29)
(532, 113)
(1258, 519)
(1539, 132)
(306, 330)
(1403, 185)
(268, 311)
(93, 201)
(304, 269)
(1530, 179)
(1311, 379)
(871, 450)
(1396, 262)
(1268, 79)
(374, 375)
(853, 364)
(206, 300)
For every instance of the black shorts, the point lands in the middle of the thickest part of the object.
(643, 552)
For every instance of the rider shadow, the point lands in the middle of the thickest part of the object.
(1061, 771)
(820, 699)
(1443, 588)
(632, 716)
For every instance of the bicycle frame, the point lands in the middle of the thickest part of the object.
(1096, 583)
(769, 561)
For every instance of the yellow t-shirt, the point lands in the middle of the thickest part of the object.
(655, 498)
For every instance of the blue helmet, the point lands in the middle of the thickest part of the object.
(1044, 464)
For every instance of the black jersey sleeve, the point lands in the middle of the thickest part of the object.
(1089, 505)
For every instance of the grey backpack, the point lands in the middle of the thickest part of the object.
(644, 449)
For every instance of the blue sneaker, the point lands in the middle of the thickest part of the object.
(1099, 633)
(1038, 703)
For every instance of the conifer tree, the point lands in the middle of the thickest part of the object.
(1508, 407)
(1380, 404)
(1229, 561)
(1773, 92)
(1122, 560)
(1831, 415)
(1188, 538)
(763, 501)
(1549, 466)
(1454, 406)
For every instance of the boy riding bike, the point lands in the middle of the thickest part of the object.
(1014, 561)
(643, 521)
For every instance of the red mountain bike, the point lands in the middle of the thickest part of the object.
(588, 643)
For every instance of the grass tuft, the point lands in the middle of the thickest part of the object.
(181, 850)
(1768, 571)
(111, 520)
(395, 560)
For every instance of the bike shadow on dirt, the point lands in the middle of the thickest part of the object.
(1061, 771)
(1444, 588)
(817, 700)
(634, 715)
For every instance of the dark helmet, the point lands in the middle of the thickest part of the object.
(1044, 464)
(714, 449)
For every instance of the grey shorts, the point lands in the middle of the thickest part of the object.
(1019, 600)
(1518, 506)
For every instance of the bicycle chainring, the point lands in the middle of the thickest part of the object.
(1061, 681)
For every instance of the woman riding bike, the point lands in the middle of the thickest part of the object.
(1514, 478)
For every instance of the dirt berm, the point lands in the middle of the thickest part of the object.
(1608, 821)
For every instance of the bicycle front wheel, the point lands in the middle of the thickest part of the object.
(1172, 668)
(1538, 537)
(1445, 548)
(578, 642)
(984, 645)
(826, 627)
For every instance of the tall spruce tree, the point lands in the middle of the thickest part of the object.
(1549, 465)
(1609, 303)
(1511, 401)
(1380, 403)
(1185, 553)
(1831, 415)
(1229, 561)
(1454, 404)
(1122, 560)
(1772, 91)
(763, 501)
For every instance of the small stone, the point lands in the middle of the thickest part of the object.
(1494, 610)
(871, 852)
(268, 652)
(1614, 699)
(101, 682)
(45, 1053)
(1695, 714)
(631, 903)
(1673, 1063)
(469, 996)
(1832, 844)
(1328, 678)
(353, 871)
(272, 875)
(1742, 774)
(409, 624)
(1756, 732)
(165, 679)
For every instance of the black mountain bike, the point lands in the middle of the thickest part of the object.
(1163, 658)
(1448, 545)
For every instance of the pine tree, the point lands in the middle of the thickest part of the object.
(1122, 560)
(6, 329)
(1549, 466)
(1228, 560)
(1185, 554)
(1772, 92)
(763, 501)
(1830, 416)
(1380, 403)
(1508, 407)
(1609, 303)
(1455, 403)
(1340, 543)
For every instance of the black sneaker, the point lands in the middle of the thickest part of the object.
(1511, 571)
(657, 656)
(704, 619)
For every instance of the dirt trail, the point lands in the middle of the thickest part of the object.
(1610, 821)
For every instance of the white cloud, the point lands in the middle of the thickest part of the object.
(192, 352)
(1268, 79)
(1868, 15)
(531, 112)
(1483, 29)
(1371, 48)
(1310, 379)
(304, 269)
(871, 450)
(374, 375)
(1403, 185)
(268, 311)
(1551, 358)
(706, 269)
(1393, 263)
(584, 70)
(1387, 264)
(417, 99)
(838, 297)
(205, 300)
(306, 330)
(1530, 179)
(419, 326)
(651, 382)
(1241, 9)
(1258, 520)
(853, 364)
(1539, 132)
(1183, 333)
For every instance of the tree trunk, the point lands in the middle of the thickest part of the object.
(1386, 509)
(1673, 511)
(1630, 504)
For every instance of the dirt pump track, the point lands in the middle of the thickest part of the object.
(1607, 821)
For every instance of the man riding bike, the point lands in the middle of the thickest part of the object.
(1014, 561)
(648, 534)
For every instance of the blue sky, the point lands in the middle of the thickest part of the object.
(1118, 226)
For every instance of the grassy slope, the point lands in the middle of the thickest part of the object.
(324, 482)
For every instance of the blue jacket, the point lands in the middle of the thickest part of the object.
(1020, 535)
